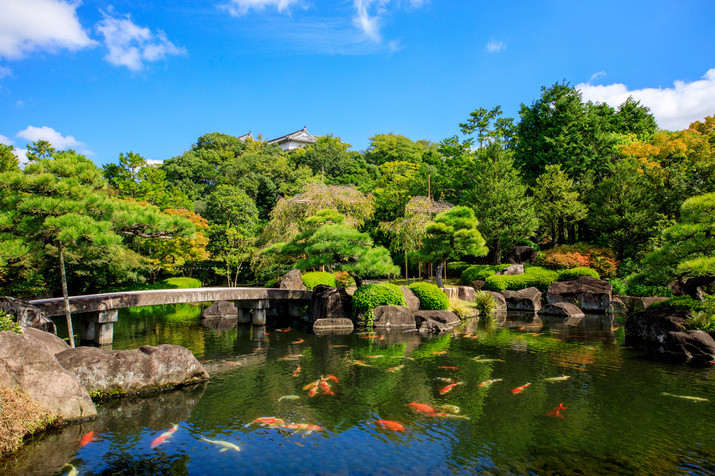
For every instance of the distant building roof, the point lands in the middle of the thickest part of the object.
(301, 137)
(245, 136)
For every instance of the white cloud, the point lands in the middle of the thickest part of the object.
(58, 141)
(369, 23)
(5, 140)
(495, 46)
(131, 45)
(674, 108)
(597, 76)
(241, 7)
(5, 71)
(29, 25)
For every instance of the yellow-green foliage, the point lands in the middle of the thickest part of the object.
(431, 297)
(20, 417)
(313, 279)
(485, 303)
(533, 276)
(7, 323)
(463, 309)
(169, 283)
(480, 272)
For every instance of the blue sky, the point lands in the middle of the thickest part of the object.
(151, 77)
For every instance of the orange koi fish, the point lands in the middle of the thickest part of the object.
(287, 330)
(449, 387)
(520, 389)
(556, 412)
(296, 372)
(329, 392)
(368, 337)
(375, 356)
(441, 352)
(86, 439)
(389, 425)
(312, 385)
(421, 407)
(337, 346)
(299, 341)
(303, 427)
(445, 379)
(324, 386)
(291, 356)
(164, 436)
(395, 369)
(270, 422)
(332, 377)
(487, 383)
(231, 363)
(447, 367)
(313, 392)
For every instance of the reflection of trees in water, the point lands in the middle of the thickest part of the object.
(159, 464)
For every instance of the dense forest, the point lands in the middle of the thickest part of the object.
(584, 184)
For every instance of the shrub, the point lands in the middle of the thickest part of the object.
(576, 272)
(640, 285)
(619, 286)
(602, 260)
(271, 283)
(7, 323)
(343, 279)
(315, 278)
(485, 303)
(480, 272)
(368, 297)
(558, 259)
(463, 309)
(456, 268)
(533, 276)
(431, 297)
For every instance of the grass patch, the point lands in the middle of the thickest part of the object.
(20, 417)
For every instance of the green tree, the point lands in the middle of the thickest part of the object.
(398, 182)
(392, 148)
(453, 234)
(489, 126)
(557, 202)
(8, 160)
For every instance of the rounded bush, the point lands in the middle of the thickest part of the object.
(534, 276)
(315, 278)
(343, 279)
(480, 272)
(456, 268)
(576, 272)
(368, 297)
(431, 297)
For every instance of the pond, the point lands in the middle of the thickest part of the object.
(591, 406)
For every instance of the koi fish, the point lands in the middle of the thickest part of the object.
(328, 392)
(286, 330)
(449, 387)
(288, 397)
(291, 356)
(335, 346)
(303, 427)
(448, 415)
(296, 372)
(421, 407)
(375, 356)
(474, 337)
(324, 386)
(520, 389)
(72, 471)
(388, 425)
(270, 422)
(480, 359)
(686, 397)
(299, 341)
(225, 444)
(360, 363)
(535, 334)
(488, 383)
(445, 379)
(563, 378)
(440, 352)
(311, 385)
(313, 392)
(332, 377)
(447, 367)
(556, 412)
(395, 369)
(163, 437)
(368, 337)
(449, 408)
(231, 363)
(86, 439)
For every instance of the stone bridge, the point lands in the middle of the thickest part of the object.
(99, 312)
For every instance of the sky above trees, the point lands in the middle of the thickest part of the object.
(150, 77)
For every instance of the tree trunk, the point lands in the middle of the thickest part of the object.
(407, 278)
(438, 273)
(497, 252)
(358, 281)
(65, 295)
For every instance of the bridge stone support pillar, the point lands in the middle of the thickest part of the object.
(99, 327)
(253, 311)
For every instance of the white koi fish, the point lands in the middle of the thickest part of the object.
(225, 444)
(72, 471)
(563, 378)
(288, 397)
(686, 397)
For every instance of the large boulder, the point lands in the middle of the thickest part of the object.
(478, 284)
(562, 309)
(413, 302)
(522, 255)
(524, 300)
(291, 280)
(29, 366)
(220, 309)
(329, 303)
(512, 270)
(693, 286)
(50, 341)
(665, 333)
(588, 293)
(393, 316)
(617, 306)
(436, 321)
(638, 303)
(499, 300)
(26, 314)
(466, 293)
(108, 373)
(451, 293)
(339, 325)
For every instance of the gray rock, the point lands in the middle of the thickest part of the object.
(478, 284)
(27, 314)
(499, 300)
(617, 306)
(513, 269)
(590, 294)
(522, 255)
(413, 302)
(638, 303)
(393, 316)
(220, 309)
(52, 343)
(28, 365)
(291, 280)
(330, 303)
(436, 321)
(450, 292)
(524, 300)
(142, 370)
(692, 346)
(562, 309)
(333, 326)
(466, 293)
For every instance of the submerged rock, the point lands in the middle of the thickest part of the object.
(117, 372)
(330, 303)
(292, 280)
(562, 309)
(524, 300)
(220, 309)
(340, 325)
(436, 321)
(28, 365)
(588, 293)
(393, 316)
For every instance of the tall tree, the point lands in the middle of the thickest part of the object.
(557, 202)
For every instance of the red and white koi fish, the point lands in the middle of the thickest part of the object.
(299, 341)
(556, 412)
(488, 383)
(332, 377)
(421, 407)
(291, 357)
(311, 385)
(164, 436)
(395, 369)
(270, 422)
(375, 356)
(449, 387)
(86, 439)
(324, 386)
(520, 389)
(231, 363)
(447, 367)
(388, 425)
(296, 372)
(313, 392)
(445, 379)
(361, 363)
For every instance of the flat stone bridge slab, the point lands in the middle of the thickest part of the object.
(100, 311)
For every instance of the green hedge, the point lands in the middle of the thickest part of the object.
(431, 297)
(481, 272)
(368, 297)
(315, 278)
(456, 268)
(576, 272)
(168, 283)
(535, 276)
